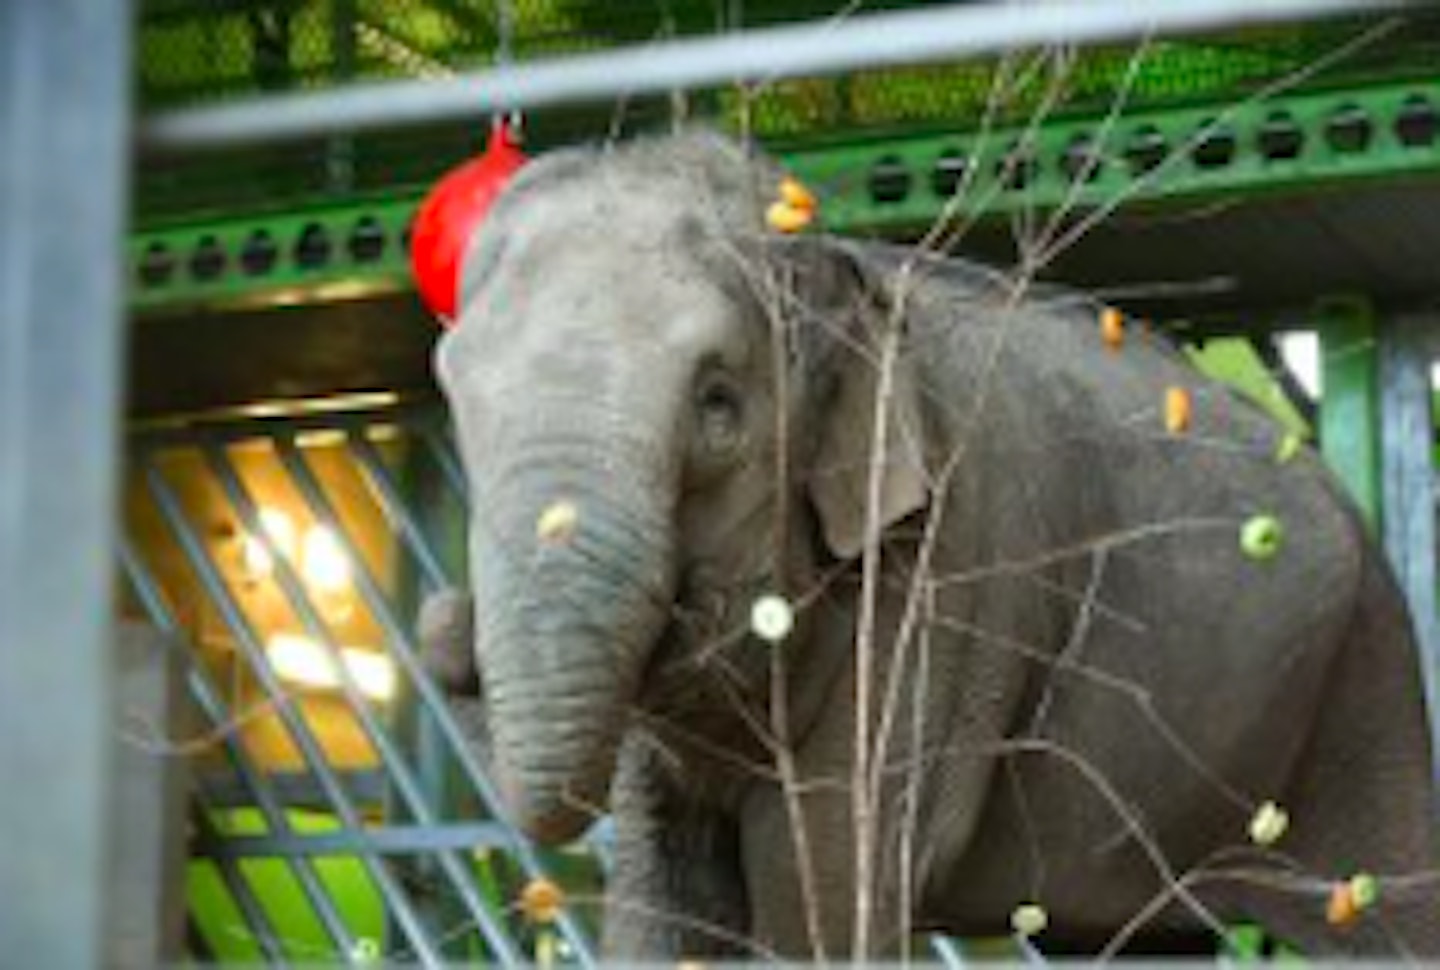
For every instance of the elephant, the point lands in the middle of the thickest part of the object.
(871, 591)
(445, 629)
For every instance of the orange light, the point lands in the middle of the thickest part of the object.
(302, 661)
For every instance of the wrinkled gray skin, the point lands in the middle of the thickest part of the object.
(1094, 642)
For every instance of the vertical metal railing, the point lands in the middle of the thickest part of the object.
(298, 729)
(1409, 349)
(64, 149)
(415, 826)
(208, 699)
(377, 734)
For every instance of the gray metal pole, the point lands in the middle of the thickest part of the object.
(1408, 346)
(810, 49)
(64, 154)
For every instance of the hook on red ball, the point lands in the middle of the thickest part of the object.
(454, 210)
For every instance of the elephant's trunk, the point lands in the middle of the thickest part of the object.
(573, 570)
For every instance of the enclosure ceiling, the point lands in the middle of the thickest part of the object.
(1288, 155)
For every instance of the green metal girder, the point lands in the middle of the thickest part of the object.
(168, 266)
(1290, 143)
(1218, 150)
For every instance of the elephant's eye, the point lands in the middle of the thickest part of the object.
(719, 414)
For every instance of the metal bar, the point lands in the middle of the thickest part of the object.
(387, 496)
(300, 733)
(254, 787)
(297, 789)
(167, 434)
(404, 651)
(412, 794)
(444, 455)
(810, 49)
(434, 759)
(340, 153)
(64, 142)
(1349, 418)
(390, 756)
(197, 947)
(434, 837)
(949, 952)
(257, 921)
(1407, 349)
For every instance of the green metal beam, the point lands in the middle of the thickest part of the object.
(343, 250)
(899, 184)
(1228, 149)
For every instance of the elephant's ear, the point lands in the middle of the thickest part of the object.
(849, 446)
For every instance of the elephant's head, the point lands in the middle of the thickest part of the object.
(631, 335)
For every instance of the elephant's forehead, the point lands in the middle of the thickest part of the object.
(611, 226)
(586, 263)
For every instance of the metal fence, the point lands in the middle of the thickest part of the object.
(336, 809)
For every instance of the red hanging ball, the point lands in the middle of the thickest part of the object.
(451, 214)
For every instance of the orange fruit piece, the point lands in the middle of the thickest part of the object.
(541, 900)
(1341, 911)
(1112, 328)
(1178, 410)
(787, 218)
(794, 194)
